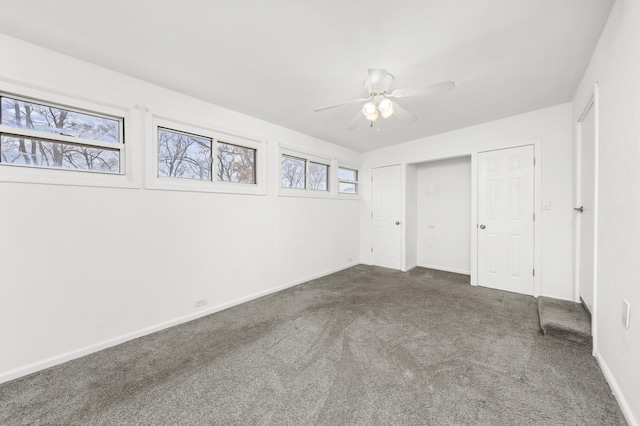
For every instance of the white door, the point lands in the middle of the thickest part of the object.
(585, 211)
(505, 219)
(387, 237)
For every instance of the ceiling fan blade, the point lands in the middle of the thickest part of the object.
(377, 79)
(356, 120)
(353, 101)
(445, 86)
(402, 114)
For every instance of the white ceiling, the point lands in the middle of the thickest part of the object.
(278, 60)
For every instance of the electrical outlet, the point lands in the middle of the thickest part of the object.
(626, 311)
(200, 302)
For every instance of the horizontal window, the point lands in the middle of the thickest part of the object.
(305, 175)
(347, 180)
(50, 119)
(236, 163)
(318, 174)
(44, 153)
(347, 188)
(345, 174)
(183, 155)
(186, 157)
(294, 172)
(39, 134)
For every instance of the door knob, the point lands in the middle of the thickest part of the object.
(579, 209)
(397, 222)
(482, 226)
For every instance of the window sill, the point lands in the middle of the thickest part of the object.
(44, 176)
(187, 185)
(342, 196)
(305, 193)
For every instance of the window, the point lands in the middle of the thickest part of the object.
(304, 175)
(44, 135)
(318, 174)
(294, 172)
(195, 158)
(236, 163)
(183, 155)
(347, 181)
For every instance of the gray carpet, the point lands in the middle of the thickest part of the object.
(363, 346)
(565, 320)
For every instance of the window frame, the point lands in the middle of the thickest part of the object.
(327, 177)
(308, 158)
(214, 167)
(126, 177)
(180, 132)
(217, 135)
(306, 171)
(345, 195)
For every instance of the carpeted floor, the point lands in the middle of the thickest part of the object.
(363, 346)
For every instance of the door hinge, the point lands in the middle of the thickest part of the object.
(371, 214)
(534, 161)
(534, 272)
(371, 249)
(371, 178)
(534, 217)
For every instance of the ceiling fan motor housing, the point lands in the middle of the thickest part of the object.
(378, 82)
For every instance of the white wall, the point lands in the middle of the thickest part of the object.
(616, 66)
(444, 215)
(551, 128)
(86, 267)
(411, 216)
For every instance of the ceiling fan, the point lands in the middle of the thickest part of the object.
(379, 101)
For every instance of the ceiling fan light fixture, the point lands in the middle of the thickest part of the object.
(372, 117)
(370, 111)
(379, 99)
(386, 108)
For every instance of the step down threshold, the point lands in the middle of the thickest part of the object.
(565, 320)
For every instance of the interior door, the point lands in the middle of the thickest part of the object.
(386, 215)
(505, 219)
(586, 211)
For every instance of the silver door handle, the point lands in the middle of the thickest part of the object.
(397, 222)
(482, 226)
(579, 209)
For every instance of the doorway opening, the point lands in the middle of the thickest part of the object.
(441, 203)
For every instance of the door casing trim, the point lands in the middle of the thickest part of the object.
(590, 102)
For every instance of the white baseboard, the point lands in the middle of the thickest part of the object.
(77, 353)
(445, 268)
(410, 267)
(622, 402)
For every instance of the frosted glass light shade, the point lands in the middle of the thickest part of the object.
(370, 111)
(386, 108)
